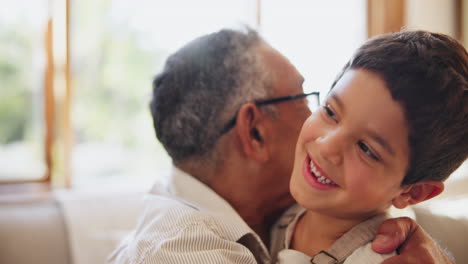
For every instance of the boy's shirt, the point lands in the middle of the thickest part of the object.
(354, 247)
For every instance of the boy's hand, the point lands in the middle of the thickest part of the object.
(412, 242)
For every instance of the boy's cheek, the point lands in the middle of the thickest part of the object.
(310, 130)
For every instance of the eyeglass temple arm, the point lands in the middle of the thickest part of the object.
(284, 98)
(232, 122)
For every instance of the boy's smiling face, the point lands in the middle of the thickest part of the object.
(352, 153)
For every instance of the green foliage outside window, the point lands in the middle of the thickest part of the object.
(15, 85)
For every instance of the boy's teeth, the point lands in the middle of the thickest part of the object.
(319, 176)
(314, 170)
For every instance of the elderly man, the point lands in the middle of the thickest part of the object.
(228, 109)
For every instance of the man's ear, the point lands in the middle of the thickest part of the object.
(251, 131)
(418, 192)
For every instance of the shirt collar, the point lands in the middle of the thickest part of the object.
(196, 194)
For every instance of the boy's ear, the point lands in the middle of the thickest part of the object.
(418, 192)
(251, 131)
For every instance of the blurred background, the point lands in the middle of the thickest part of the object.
(75, 75)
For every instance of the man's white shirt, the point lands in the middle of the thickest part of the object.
(188, 222)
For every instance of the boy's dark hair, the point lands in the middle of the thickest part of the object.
(427, 74)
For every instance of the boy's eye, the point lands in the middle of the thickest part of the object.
(330, 112)
(367, 150)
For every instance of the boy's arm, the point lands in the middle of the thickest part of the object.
(414, 245)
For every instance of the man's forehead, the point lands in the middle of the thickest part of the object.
(286, 79)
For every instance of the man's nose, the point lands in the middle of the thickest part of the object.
(331, 145)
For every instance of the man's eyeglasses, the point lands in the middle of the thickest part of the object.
(275, 100)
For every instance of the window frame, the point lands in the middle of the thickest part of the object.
(52, 106)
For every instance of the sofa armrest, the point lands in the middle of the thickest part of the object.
(450, 232)
(33, 232)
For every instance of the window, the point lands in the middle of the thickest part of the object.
(22, 67)
(317, 37)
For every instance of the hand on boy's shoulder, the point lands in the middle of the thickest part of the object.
(365, 255)
(414, 245)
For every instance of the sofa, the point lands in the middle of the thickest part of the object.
(64, 227)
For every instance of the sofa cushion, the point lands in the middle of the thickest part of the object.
(97, 221)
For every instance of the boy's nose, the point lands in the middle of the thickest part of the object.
(331, 147)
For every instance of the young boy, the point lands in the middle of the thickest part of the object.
(393, 128)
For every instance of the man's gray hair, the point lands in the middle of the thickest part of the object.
(202, 87)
